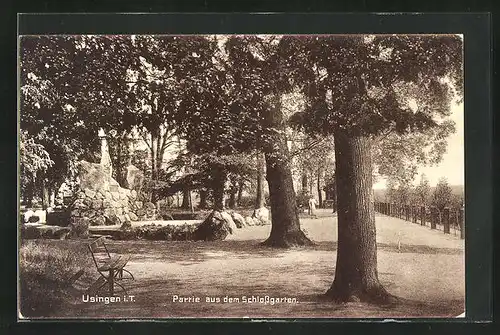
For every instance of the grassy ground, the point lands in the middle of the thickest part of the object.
(424, 268)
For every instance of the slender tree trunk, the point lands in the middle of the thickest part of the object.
(241, 184)
(218, 189)
(121, 155)
(52, 195)
(44, 191)
(304, 182)
(191, 205)
(186, 199)
(232, 198)
(320, 195)
(154, 172)
(260, 201)
(285, 229)
(356, 276)
(311, 185)
(159, 154)
(203, 199)
(30, 193)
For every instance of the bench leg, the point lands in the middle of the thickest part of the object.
(103, 284)
(111, 282)
(123, 288)
(131, 275)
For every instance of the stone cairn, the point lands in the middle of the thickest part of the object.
(111, 206)
(101, 201)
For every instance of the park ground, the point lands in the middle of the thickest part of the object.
(422, 267)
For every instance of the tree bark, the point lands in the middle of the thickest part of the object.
(232, 197)
(44, 191)
(285, 224)
(154, 172)
(356, 276)
(311, 186)
(304, 182)
(320, 195)
(203, 199)
(219, 181)
(186, 204)
(30, 191)
(260, 201)
(241, 184)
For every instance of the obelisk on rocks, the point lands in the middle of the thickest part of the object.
(105, 157)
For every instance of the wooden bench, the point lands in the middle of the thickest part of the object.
(110, 268)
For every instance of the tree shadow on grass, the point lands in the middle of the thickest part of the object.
(191, 252)
(436, 309)
(418, 249)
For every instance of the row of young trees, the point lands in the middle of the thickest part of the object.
(441, 196)
(227, 97)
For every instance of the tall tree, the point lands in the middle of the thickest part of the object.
(167, 67)
(357, 88)
(50, 77)
(256, 64)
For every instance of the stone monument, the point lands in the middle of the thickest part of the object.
(101, 201)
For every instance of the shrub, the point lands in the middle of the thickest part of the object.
(302, 199)
(158, 233)
(247, 201)
(79, 227)
(58, 218)
(45, 269)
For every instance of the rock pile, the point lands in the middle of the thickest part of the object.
(260, 216)
(215, 227)
(102, 201)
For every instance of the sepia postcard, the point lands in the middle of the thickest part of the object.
(261, 176)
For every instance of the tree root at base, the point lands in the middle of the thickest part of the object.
(289, 240)
(375, 295)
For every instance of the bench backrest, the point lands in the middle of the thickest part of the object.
(99, 251)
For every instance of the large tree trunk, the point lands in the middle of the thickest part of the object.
(218, 189)
(260, 201)
(356, 276)
(334, 194)
(285, 229)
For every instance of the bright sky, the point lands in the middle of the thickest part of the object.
(452, 165)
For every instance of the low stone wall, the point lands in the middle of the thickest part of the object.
(215, 226)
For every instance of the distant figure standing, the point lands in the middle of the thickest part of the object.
(312, 207)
